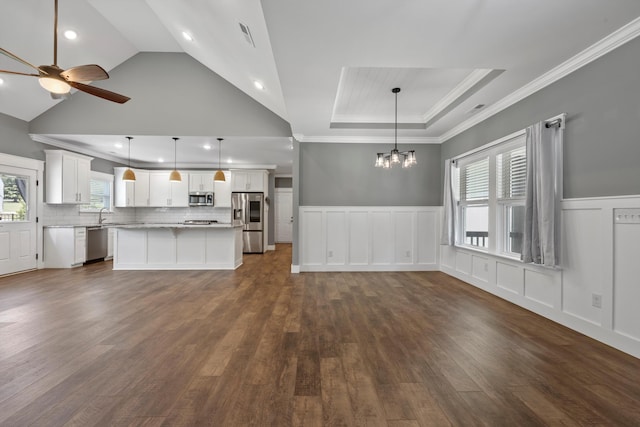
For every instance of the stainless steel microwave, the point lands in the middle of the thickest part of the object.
(198, 198)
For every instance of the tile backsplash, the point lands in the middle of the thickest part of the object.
(71, 215)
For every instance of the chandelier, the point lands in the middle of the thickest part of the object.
(405, 158)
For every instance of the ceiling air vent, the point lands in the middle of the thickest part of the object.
(476, 108)
(247, 34)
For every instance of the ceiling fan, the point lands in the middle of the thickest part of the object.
(58, 81)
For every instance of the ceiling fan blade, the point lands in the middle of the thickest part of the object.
(85, 73)
(16, 58)
(19, 74)
(102, 93)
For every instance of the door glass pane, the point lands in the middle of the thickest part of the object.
(14, 198)
(254, 211)
(515, 228)
(476, 225)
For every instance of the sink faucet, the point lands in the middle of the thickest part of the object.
(100, 219)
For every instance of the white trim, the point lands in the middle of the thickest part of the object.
(338, 139)
(590, 54)
(21, 162)
(295, 269)
(463, 87)
(271, 247)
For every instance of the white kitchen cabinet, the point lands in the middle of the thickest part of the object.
(201, 181)
(124, 191)
(164, 193)
(64, 247)
(67, 177)
(110, 232)
(141, 186)
(222, 193)
(249, 180)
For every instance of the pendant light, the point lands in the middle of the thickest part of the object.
(128, 174)
(219, 176)
(175, 175)
(405, 158)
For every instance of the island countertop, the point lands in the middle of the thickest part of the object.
(174, 225)
(177, 246)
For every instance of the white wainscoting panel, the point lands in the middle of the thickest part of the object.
(582, 262)
(376, 238)
(480, 267)
(599, 257)
(336, 238)
(358, 232)
(428, 224)
(626, 292)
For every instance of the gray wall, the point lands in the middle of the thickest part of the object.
(15, 140)
(171, 94)
(602, 135)
(344, 175)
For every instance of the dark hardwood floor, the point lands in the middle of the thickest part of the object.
(259, 346)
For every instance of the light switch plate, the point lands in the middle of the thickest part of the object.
(626, 216)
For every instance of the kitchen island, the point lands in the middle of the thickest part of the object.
(177, 247)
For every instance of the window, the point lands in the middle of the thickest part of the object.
(13, 197)
(491, 206)
(100, 192)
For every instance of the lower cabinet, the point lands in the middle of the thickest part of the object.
(64, 247)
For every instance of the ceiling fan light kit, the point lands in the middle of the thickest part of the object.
(58, 81)
(405, 158)
(219, 176)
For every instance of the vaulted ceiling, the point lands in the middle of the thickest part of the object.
(328, 67)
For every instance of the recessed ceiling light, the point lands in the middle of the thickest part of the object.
(1, 81)
(258, 85)
(187, 36)
(118, 145)
(229, 161)
(160, 160)
(206, 147)
(291, 147)
(70, 35)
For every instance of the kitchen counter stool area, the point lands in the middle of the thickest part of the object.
(177, 247)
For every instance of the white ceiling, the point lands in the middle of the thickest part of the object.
(327, 67)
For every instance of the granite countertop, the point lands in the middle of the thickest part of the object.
(149, 225)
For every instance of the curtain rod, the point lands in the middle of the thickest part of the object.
(556, 123)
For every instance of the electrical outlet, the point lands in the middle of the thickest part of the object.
(596, 300)
(330, 254)
(408, 254)
(486, 267)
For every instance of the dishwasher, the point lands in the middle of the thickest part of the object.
(97, 243)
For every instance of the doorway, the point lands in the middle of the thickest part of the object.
(18, 228)
(284, 215)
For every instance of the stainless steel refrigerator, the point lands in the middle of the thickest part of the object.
(248, 210)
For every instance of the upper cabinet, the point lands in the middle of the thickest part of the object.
(131, 193)
(201, 182)
(222, 192)
(67, 177)
(249, 181)
(164, 193)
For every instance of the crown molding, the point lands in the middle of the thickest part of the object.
(609, 43)
(465, 85)
(339, 139)
(76, 149)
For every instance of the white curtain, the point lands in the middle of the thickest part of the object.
(448, 236)
(540, 242)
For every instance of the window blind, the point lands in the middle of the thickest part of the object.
(512, 173)
(474, 181)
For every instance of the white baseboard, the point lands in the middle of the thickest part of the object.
(295, 269)
(271, 247)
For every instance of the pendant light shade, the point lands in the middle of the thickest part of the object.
(174, 176)
(219, 176)
(128, 174)
(395, 157)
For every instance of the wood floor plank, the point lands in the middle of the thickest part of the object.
(261, 346)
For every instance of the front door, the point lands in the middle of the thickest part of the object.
(17, 219)
(284, 215)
